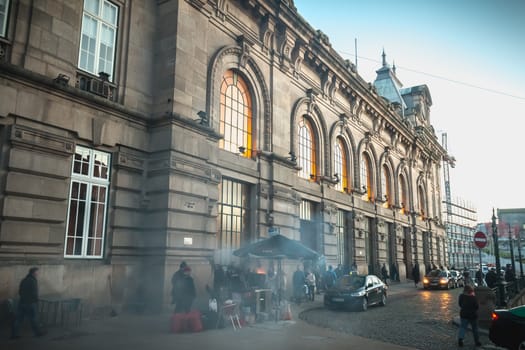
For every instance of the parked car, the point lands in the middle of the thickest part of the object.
(507, 328)
(458, 278)
(438, 279)
(357, 291)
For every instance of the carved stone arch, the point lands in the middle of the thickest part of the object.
(365, 147)
(421, 182)
(386, 160)
(306, 107)
(402, 171)
(236, 58)
(354, 156)
(340, 130)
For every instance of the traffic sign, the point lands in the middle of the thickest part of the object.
(480, 239)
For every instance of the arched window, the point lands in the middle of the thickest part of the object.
(385, 187)
(306, 158)
(403, 194)
(340, 165)
(366, 177)
(422, 202)
(236, 115)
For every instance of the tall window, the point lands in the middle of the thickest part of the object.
(86, 223)
(4, 8)
(98, 37)
(385, 186)
(306, 150)
(235, 114)
(342, 241)
(403, 194)
(232, 216)
(366, 176)
(340, 165)
(422, 202)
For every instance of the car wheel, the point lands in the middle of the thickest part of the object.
(364, 304)
(383, 300)
(521, 346)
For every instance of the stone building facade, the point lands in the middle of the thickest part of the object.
(137, 134)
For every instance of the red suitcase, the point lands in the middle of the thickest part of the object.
(178, 323)
(194, 321)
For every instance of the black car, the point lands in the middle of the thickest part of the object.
(507, 328)
(439, 279)
(356, 291)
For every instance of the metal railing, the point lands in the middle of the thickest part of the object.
(510, 294)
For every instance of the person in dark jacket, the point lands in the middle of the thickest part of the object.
(468, 314)
(28, 304)
(184, 292)
(177, 276)
(415, 274)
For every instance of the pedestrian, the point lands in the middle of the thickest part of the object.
(184, 292)
(384, 274)
(353, 268)
(298, 282)
(28, 304)
(467, 280)
(177, 276)
(479, 277)
(329, 278)
(393, 272)
(310, 282)
(491, 278)
(415, 274)
(468, 314)
(510, 276)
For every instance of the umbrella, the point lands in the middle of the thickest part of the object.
(276, 247)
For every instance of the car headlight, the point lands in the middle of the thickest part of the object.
(443, 280)
(425, 280)
(358, 294)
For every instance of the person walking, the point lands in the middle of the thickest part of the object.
(185, 292)
(467, 280)
(393, 272)
(298, 282)
(415, 274)
(384, 274)
(175, 279)
(310, 282)
(28, 304)
(468, 314)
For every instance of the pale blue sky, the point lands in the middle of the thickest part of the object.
(475, 42)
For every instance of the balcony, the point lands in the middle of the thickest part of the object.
(99, 86)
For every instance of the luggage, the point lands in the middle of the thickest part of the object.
(178, 323)
(194, 322)
(186, 322)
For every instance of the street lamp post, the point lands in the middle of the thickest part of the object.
(511, 252)
(499, 283)
(519, 253)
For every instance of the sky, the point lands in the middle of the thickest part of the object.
(471, 55)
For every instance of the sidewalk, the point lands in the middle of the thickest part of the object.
(151, 332)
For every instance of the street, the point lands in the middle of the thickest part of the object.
(413, 317)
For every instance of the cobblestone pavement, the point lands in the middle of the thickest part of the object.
(412, 317)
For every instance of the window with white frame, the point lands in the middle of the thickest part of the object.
(4, 9)
(87, 211)
(98, 37)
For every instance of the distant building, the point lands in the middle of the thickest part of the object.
(137, 134)
(461, 225)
